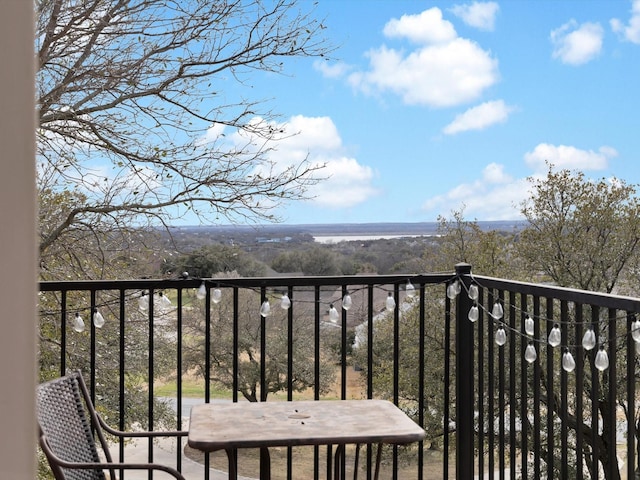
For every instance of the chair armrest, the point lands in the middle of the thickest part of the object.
(119, 433)
(52, 457)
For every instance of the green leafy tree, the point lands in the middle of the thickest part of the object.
(580, 233)
(584, 234)
(249, 355)
(207, 260)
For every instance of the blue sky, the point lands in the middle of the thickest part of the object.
(427, 105)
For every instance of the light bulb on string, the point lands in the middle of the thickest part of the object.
(555, 336)
(346, 302)
(285, 302)
(143, 302)
(201, 293)
(635, 330)
(216, 295)
(334, 316)
(474, 293)
(390, 303)
(78, 323)
(265, 309)
(602, 359)
(98, 319)
(474, 313)
(410, 290)
(453, 289)
(497, 312)
(637, 348)
(528, 325)
(530, 354)
(568, 363)
(589, 339)
(501, 336)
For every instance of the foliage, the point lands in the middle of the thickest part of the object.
(312, 261)
(408, 358)
(250, 328)
(138, 101)
(580, 233)
(207, 260)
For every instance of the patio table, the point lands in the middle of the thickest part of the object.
(231, 426)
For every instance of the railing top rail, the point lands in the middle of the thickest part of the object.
(630, 304)
(253, 282)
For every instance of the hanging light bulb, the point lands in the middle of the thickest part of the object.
(528, 325)
(78, 323)
(410, 290)
(501, 336)
(474, 293)
(143, 302)
(285, 302)
(334, 316)
(555, 336)
(637, 348)
(530, 353)
(201, 293)
(98, 319)
(589, 339)
(474, 313)
(265, 309)
(216, 295)
(568, 363)
(635, 330)
(347, 302)
(458, 287)
(602, 359)
(163, 302)
(453, 289)
(497, 312)
(390, 302)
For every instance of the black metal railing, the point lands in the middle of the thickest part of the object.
(486, 409)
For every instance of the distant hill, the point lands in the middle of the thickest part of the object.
(392, 228)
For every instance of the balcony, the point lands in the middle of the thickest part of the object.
(509, 379)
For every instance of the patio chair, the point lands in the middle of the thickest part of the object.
(68, 421)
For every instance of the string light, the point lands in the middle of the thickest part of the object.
(334, 316)
(530, 354)
(143, 302)
(501, 336)
(635, 330)
(474, 293)
(201, 293)
(346, 302)
(474, 313)
(568, 363)
(265, 309)
(528, 325)
(555, 336)
(453, 289)
(497, 312)
(78, 323)
(410, 290)
(285, 302)
(98, 319)
(589, 339)
(602, 359)
(390, 302)
(216, 295)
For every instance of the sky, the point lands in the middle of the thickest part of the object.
(432, 107)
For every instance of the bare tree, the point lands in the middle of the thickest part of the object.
(145, 112)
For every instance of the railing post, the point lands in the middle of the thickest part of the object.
(464, 379)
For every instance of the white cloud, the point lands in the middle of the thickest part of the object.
(494, 196)
(576, 45)
(445, 70)
(564, 156)
(630, 32)
(481, 15)
(480, 117)
(335, 70)
(345, 182)
(423, 28)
